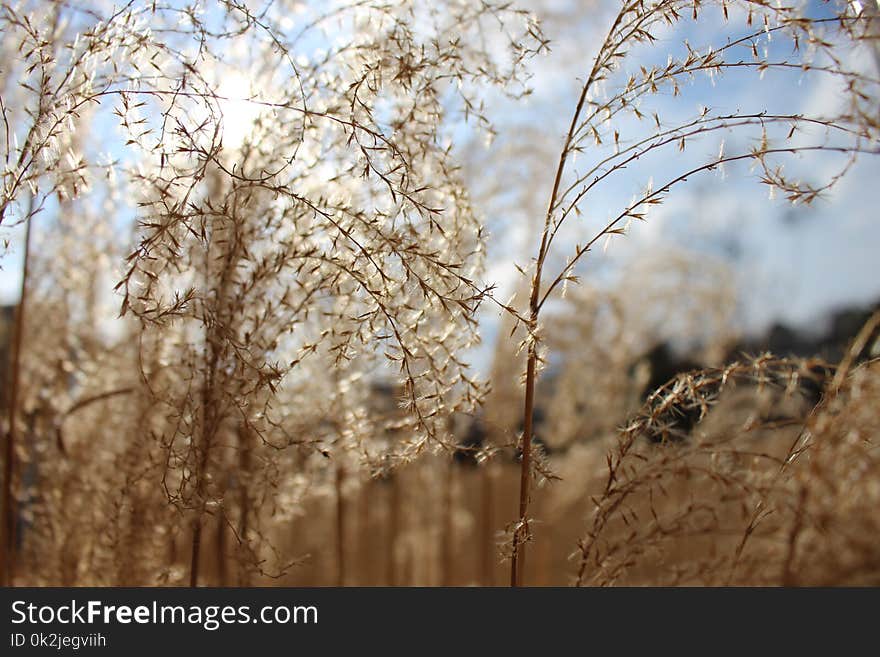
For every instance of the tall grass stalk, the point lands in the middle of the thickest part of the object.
(7, 545)
(606, 99)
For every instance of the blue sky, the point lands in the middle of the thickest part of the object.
(791, 265)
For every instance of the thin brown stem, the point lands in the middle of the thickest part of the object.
(393, 530)
(7, 545)
(446, 530)
(520, 534)
(244, 501)
(521, 531)
(340, 526)
(221, 550)
(487, 501)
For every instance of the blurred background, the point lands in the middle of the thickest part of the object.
(722, 269)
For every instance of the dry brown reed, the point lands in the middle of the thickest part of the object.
(297, 264)
(777, 492)
(613, 107)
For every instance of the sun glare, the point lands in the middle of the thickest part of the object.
(239, 109)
